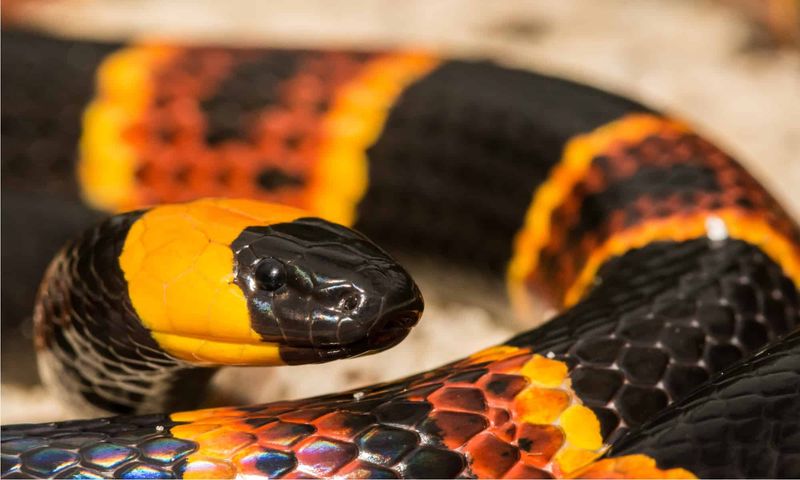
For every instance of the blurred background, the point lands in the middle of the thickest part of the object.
(732, 68)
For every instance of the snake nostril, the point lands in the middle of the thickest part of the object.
(350, 301)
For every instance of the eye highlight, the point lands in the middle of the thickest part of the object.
(270, 275)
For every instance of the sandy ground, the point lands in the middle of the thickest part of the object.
(697, 59)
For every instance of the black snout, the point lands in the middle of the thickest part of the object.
(400, 310)
(386, 305)
(368, 325)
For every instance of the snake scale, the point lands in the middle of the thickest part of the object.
(676, 352)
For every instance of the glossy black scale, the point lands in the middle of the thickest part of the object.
(119, 447)
(662, 320)
(386, 445)
(743, 423)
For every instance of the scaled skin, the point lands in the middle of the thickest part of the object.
(333, 165)
(541, 238)
(179, 265)
(556, 438)
(520, 416)
(333, 160)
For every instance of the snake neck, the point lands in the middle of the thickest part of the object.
(92, 348)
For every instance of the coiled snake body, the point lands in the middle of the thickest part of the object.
(678, 274)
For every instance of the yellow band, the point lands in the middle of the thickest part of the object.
(107, 159)
(179, 267)
(739, 225)
(576, 160)
(355, 121)
(574, 167)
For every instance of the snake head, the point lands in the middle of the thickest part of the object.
(323, 291)
(240, 282)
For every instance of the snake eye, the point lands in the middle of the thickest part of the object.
(270, 275)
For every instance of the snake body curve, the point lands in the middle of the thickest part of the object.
(673, 357)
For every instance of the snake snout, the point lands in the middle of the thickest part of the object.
(401, 309)
(369, 315)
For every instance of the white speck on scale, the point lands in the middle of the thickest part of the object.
(716, 230)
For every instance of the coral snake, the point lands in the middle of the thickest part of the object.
(675, 353)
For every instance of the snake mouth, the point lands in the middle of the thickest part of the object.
(393, 327)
